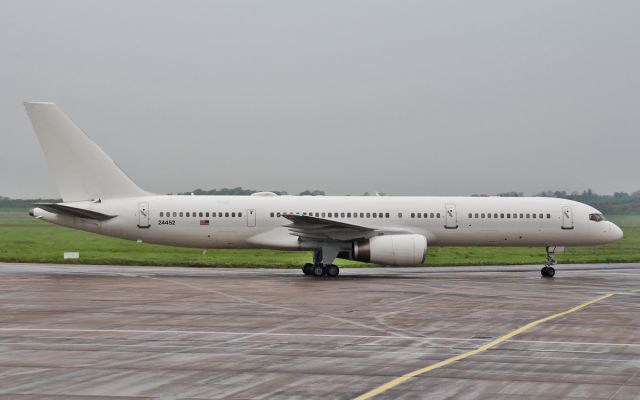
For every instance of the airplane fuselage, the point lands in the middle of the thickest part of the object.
(209, 222)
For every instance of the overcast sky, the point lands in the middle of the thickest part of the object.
(403, 97)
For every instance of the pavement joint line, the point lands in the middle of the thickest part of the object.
(401, 379)
(80, 330)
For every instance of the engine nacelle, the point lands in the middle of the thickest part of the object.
(397, 249)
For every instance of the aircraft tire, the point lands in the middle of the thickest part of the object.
(332, 270)
(318, 271)
(307, 269)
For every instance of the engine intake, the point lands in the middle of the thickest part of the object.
(399, 249)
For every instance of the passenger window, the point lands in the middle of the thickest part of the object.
(161, 214)
(342, 215)
(533, 215)
(330, 214)
(324, 215)
(348, 215)
(470, 215)
(226, 214)
(368, 215)
(419, 215)
(175, 214)
(399, 215)
(361, 215)
(509, 215)
(239, 214)
(541, 216)
(233, 214)
(476, 216)
(271, 214)
(521, 215)
(373, 215)
(437, 215)
(482, 215)
(206, 214)
(413, 215)
(199, 214)
(181, 213)
(548, 216)
(432, 215)
(489, 215)
(501, 215)
(386, 215)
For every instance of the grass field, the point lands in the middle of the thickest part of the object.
(24, 239)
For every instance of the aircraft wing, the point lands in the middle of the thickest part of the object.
(63, 209)
(308, 227)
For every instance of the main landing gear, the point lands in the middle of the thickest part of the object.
(548, 271)
(318, 268)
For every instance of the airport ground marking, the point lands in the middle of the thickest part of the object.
(401, 379)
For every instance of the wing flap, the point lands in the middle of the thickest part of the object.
(308, 227)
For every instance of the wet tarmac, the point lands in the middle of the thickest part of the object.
(194, 333)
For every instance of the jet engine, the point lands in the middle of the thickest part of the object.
(400, 249)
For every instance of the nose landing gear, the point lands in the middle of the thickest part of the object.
(548, 271)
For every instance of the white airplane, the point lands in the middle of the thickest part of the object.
(99, 197)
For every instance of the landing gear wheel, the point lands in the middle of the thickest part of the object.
(332, 270)
(307, 269)
(318, 270)
(548, 271)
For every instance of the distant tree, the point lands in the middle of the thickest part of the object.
(511, 194)
(236, 191)
(312, 193)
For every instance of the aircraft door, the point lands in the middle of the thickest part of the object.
(144, 220)
(451, 216)
(567, 218)
(251, 218)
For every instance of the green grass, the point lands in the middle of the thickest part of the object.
(24, 239)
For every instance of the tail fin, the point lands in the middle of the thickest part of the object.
(81, 169)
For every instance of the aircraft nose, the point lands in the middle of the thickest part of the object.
(616, 232)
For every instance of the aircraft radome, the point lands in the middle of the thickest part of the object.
(392, 230)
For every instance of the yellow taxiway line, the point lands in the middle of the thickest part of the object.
(493, 343)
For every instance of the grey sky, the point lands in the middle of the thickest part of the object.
(416, 98)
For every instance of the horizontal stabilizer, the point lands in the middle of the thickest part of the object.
(63, 209)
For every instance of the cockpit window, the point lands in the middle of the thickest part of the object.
(597, 217)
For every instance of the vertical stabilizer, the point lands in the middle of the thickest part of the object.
(81, 169)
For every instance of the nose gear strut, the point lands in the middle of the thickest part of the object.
(548, 271)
